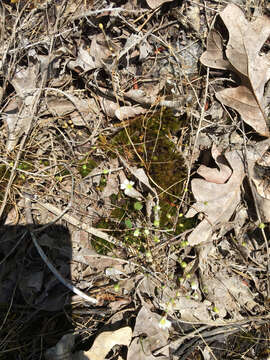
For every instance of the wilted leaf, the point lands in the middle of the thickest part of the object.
(93, 57)
(217, 201)
(147, 323)
(244, 58)
(81, 111)
(25, 80)
(126, 112)
(109, 107)
(225, 290)
(132, 192)
(214, 57)
(106, 341)
(137, 352)
(190, 310)
(15, 125)
(258, 164)
(218, 176)
(62, 350)
(102, 345)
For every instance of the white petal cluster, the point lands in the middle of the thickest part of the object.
(127, 186)
(164, 323)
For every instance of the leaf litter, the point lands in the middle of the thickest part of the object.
(162, 265)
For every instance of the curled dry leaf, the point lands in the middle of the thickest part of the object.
(218, 176)
(189, 309)
(102, 345)
(140, 96)
(15, 126)
(213, 57)
(243, 57)
(92, 58)
(126, 112)
(25, 80)
(19, 112)
(107, 340)
(215, 199)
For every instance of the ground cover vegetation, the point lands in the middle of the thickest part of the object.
(134, 179)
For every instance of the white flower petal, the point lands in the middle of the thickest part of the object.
(164, 323)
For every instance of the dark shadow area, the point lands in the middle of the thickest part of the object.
(35, 309)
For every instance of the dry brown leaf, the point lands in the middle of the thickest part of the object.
(214, 57)
(25, 80)
(132, 192)
(93, 57)
(190, 310)
(147, 323)
(243, 57)
(18, 113)
(109, 107)
(142, 97)
(106, 341)
(153, 4)
(102, 345)
(258, 165)
(62, 350)
(15, 125)
(229, 294)
(225, 290)
(218, 176)
(138, 352)
(126, 112)
(81, 111)
(217, 201)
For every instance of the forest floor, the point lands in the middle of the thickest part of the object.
(134, 179)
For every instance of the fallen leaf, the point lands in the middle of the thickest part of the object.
(62, 350)
(107, 340)
(214, 56)
(189, 309)
(224, 289)
(244, 58)
(81, 111)
(153, 4)
(25, 80)
(138, 352)
(258, 165)
(93, 57)
(217, 201)
(126, 112)
(147, 322)
(218, 176)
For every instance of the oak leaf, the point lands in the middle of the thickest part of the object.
(244, 58)
(217, 194)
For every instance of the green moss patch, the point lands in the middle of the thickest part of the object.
(147, 142)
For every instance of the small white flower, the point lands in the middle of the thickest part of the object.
(146, 232)
(136, 232)
(164, 323)
(127, 186)
(194, 285)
